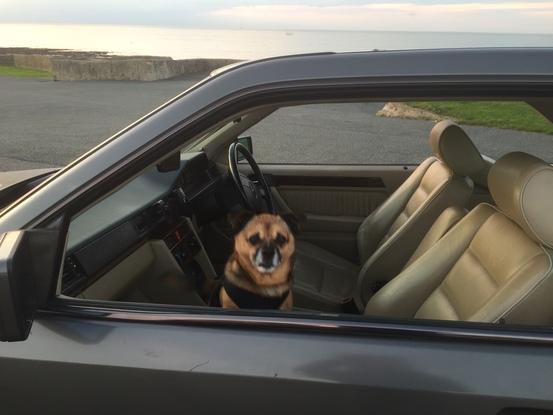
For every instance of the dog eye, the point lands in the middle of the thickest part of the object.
(280, 239)
(254, 239)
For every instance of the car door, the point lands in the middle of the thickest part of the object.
(335, 199)
(98, 358)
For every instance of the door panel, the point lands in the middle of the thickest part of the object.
(72, 365)
(337, 234)
(334, 199)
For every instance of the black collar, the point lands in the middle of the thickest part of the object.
(247, 299)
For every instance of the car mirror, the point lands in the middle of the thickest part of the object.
(27, 278)
(246, 142)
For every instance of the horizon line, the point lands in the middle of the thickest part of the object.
(174, 26)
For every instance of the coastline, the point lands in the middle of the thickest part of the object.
(71, 65)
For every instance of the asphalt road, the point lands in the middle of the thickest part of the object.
(47, 123)
(353, 134)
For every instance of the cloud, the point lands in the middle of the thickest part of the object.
(171, 12)
(509, 17)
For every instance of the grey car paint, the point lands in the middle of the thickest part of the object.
(99, 366)
(91, 357)
(14, 184)
(112, 365)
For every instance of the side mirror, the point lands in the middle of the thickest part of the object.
(246, 142)
(27, 278)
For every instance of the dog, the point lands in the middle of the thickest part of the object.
(258, 274)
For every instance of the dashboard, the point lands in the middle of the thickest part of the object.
(157, 205)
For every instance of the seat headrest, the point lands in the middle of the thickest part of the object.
(522, 187)
(453, 146)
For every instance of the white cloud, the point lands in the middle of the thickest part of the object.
(509, 17)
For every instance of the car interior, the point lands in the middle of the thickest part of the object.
(459, 236)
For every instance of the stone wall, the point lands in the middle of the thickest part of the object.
(95, 66)
(131, 69)
(6, 60)
(32, 61)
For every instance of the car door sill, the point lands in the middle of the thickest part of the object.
(320, 323)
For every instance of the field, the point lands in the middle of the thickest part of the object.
(508, 115)
(22, 72)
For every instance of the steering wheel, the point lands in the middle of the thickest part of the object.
(255, 193)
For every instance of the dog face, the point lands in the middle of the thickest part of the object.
(265, 246)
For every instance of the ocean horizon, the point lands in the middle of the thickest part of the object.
(183, 43)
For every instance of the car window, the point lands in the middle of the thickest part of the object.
(188, 237)
(394, 133)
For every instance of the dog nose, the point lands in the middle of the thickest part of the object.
(267, 252)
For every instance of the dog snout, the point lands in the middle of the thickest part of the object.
(267, 252)
(267, 257)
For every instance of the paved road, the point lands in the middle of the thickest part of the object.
(353, 134)
(46, 123)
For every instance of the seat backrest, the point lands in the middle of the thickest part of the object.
(389, 236)
(494, 265)
(439, 228)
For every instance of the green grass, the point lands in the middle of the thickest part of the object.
(510, 115)
(21, 72)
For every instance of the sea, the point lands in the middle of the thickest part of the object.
(183, 43)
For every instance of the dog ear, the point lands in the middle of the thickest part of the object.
(294, 221)
(238, 220)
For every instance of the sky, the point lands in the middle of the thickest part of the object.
(496, 16)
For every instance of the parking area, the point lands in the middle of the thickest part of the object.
(47, 123)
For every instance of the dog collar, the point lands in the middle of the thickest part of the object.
(247, 299)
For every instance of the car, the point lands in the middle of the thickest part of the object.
(103, 260)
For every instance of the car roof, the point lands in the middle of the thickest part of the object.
(496, 61)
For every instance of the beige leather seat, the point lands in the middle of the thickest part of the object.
(494, 265)
(440, 227)
(388, 237)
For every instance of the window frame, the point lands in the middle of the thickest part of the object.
(305, 323)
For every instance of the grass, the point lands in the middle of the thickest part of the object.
(510, 115)
(22, 72)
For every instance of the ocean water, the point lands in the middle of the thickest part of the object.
(180, 43)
